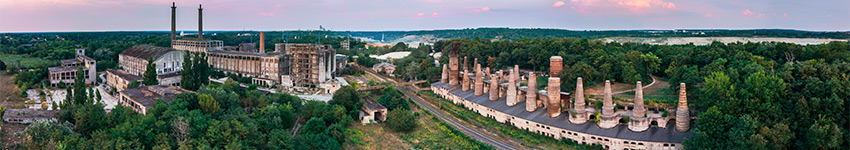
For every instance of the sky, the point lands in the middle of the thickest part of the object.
(405, 15)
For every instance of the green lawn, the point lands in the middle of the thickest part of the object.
(25, 60)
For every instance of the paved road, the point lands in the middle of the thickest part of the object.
(483, 137)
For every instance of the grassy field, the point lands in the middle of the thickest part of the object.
(26, 61)
(431, 133)
(528, 139)
(10, 97)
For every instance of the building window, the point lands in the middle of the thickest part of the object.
(625, 142)
(640, 143)
(665, 145)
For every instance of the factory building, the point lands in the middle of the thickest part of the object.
(311, 64)
(550, 112)
(67, 72)
(119, 79)
(169, 62)
(264, 69)
(143, 98)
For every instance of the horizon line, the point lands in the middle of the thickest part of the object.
(418, 30)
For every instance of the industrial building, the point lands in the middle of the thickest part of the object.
(298, 65)
(119, 79)
(169, 62)
(642, 131)
(67, 72)
(143, 98)
(372, 111)
(28, 115)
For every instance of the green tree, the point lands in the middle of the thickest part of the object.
(187, 80)
(149, 77)
(393, 99)
(203, 70)
(401, 120)
(280, 139)
(208, 104)
(80, 95)
(824, 134)
(347, 97)
(133, 84)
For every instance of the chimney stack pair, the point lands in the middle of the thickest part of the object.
(174, 20)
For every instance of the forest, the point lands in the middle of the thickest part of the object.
(747, 95)
(216, 116)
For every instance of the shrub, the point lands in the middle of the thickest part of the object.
(401, 120)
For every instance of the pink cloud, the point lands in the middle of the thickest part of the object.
(266, 14)
(761, 15)
(435, 14)
(485, 9)
(559, 4)
(634, 6)
(784, 15)
(418, 15)
(709, 15)
(747, 12)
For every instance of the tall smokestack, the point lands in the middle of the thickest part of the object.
(200, 22)
(262, 42)
(173, 20)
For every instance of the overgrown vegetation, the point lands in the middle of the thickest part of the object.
(527, 138)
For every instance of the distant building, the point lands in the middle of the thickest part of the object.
(243, 47)
(345, 44)
(264, 69)
(169, 62)
(372, 111)
(66, 73)
(384, 67)
(197, 45)
(28, 115)
(119, 79)
(143, 98)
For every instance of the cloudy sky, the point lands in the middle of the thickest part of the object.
(377, 15)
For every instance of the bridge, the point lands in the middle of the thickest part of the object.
(396, 84)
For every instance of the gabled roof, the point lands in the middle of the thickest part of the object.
(371, 104)
(146, 51)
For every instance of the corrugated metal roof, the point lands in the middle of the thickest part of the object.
(146, 51)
